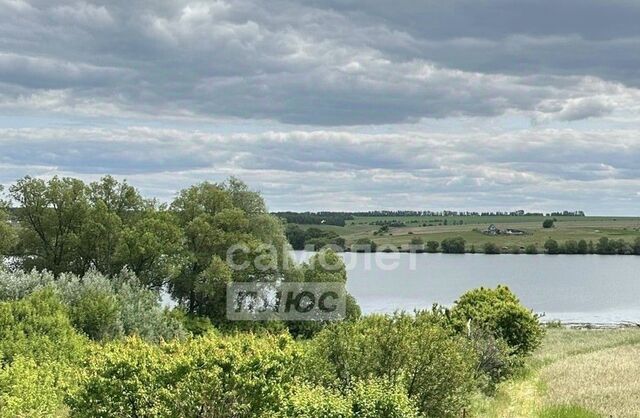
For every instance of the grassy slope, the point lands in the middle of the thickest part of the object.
(575, 228)
(576, 373)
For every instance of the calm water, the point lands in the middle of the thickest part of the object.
(574, 288)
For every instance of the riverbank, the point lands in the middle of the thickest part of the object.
(397, 233)
(576, 373)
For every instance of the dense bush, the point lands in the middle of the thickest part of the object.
(500, 312)
(491, 248)
(97, 306)
(453, 245)
(434, 367)
(40, 355)
(240, 376)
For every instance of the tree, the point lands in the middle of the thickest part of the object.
(570, 247)
(491, 248)
(531, 249)
(552, 246)
(215, 219)
(583, 247)
(8, 236)
(364, 245)
(453, 245)
(51, 215)
(547, 223)
(151, 247)
(416, 244)
(432, 246)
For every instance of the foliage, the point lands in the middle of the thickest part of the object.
(100, 307)
(491, 248)
(548, 223)
(8, 236)
(240, 376)
(500, 312)
(552, 246)
(432, 246)
(364, 245)
(433, 367)
(453, 245)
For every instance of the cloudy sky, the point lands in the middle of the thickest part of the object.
(331, 104)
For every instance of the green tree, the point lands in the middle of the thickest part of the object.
(531, 249)
(547, 223)
(491, 248)
(8, 236)
(51, 215)
(364, 245)
(453, 245)
(217, 219)
(570, 247)
(552, 246)
(583, 247)
(432, 246)
(416, 244)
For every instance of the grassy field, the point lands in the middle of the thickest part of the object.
(575, 374)
(566, 228)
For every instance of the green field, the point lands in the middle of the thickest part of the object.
(566, 228)
(575, 374)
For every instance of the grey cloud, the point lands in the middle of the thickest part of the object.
(538, 169)
(318, 63)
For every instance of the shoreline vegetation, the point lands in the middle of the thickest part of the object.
(83, 332)
(569, 233)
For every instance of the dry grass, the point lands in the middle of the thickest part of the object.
(576, 373)
(604, 381)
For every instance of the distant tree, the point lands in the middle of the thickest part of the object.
(548, 223)
(491, 248)
(604, 246)
(583, 247)
(416, 244)
(364, 245)
(636, 246)
(552, 246)
(453, 245)
(432, 246)
(531, 249)
(570, 247)
(295, 236)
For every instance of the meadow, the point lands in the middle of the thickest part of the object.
(429, 228)
(576, 373)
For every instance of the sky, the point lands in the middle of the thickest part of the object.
(331, 104)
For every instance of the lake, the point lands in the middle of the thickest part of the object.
(570, 288)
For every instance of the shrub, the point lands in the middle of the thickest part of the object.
(500, 312)
(364, 245)
(376, 398)
(434, 367)
(306, 401)
(552, 246)
(40, 352)
(531, 249)
(432, 246)
(453, 245)
(491, 248)
(548, 223)
(240, 376)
